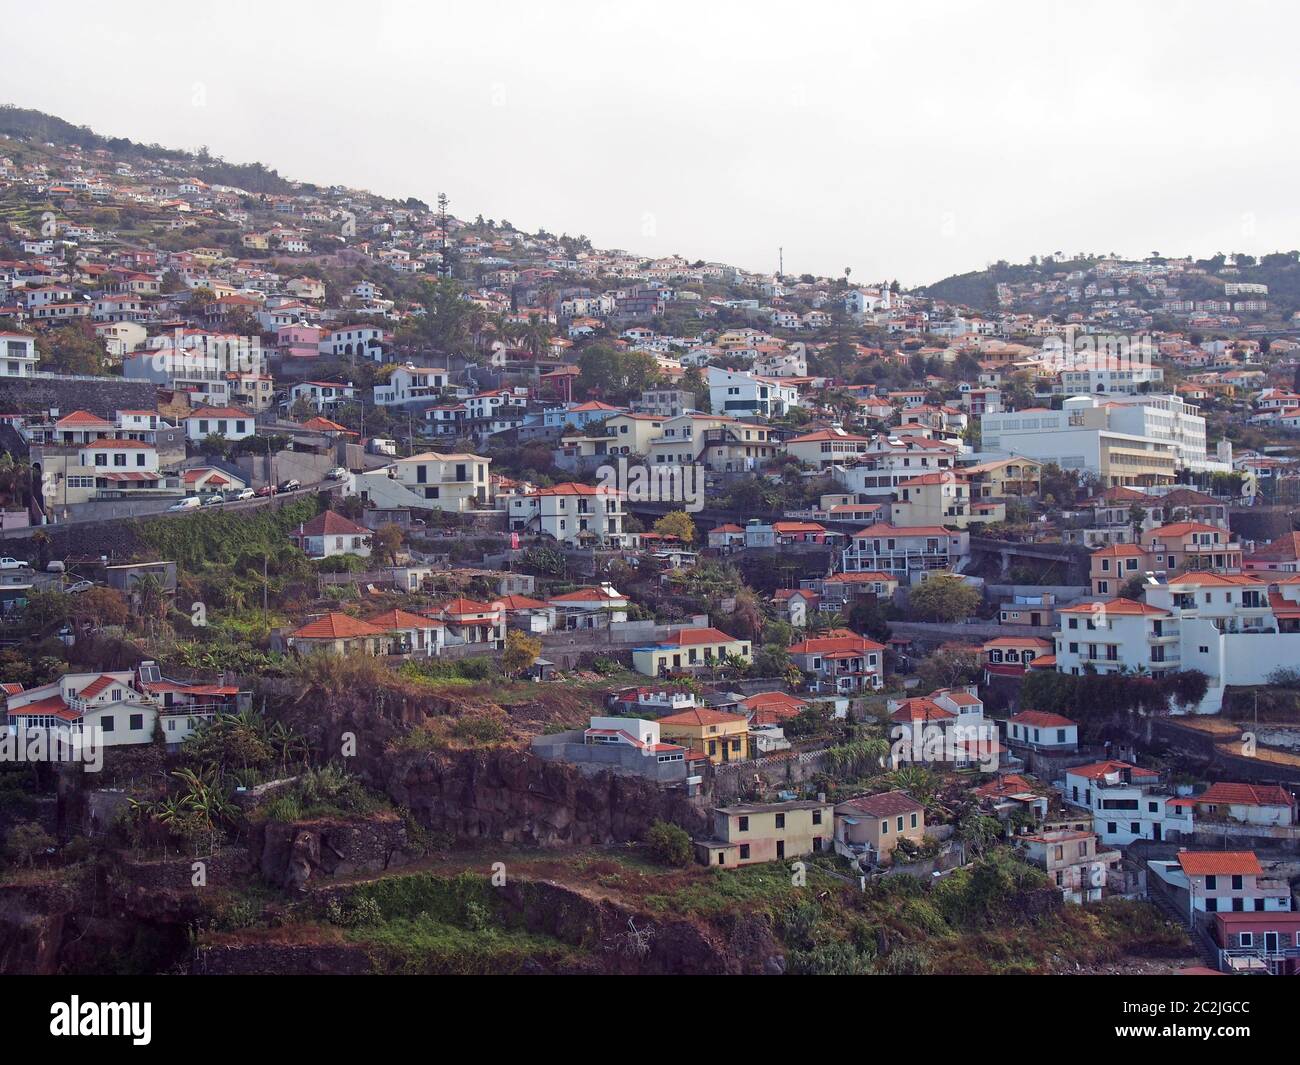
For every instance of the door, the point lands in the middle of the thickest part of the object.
(1155, 829)
(780, 848)
(1270, 942)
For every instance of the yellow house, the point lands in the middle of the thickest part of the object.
(688, 649)
(875, 823)
(633, 432)
(1016, 476)
(721, 737)
(942, 499)
(768, 832)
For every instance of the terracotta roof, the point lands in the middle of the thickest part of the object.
(327, 523)
(463, 606)
(1116, 606)
(1246, 795)
(836, 641)
(920, 709)
(402, 619)
(1100, 770)
(1219, 863)
(1041, 719)
(521, 602)
(702, 715)
(886, 804)
(96, 686)
(588, 595)
(336, 627)
(219, 412)
(695, 637)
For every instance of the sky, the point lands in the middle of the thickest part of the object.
(905, 141)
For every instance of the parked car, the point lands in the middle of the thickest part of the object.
(11, 563)
(79, 586)
(214, 501)
(338, 473)
(267, 490)
(54, 567)
(188, 503)
(245, 493)
(291, 485)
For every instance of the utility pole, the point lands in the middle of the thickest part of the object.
(780, 262)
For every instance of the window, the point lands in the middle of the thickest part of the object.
(1245, 939)
(743, 826)
(900, 824)
(1236, 883)
(1211, 883)
(914, 820)
(744, 851)
(780, 820)
(136, 721)
(106, 722)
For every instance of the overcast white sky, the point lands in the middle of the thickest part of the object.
(909, 140)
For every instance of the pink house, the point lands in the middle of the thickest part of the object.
(298, 341)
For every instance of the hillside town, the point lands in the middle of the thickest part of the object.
(345, 538)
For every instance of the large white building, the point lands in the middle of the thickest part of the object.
(1234, 628)
(738, 393)
(1125, 440)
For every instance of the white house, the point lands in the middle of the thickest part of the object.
(738, 393)
(1127, 802)
(18, 356)
(230, 422)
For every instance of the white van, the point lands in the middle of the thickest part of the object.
(188, 503)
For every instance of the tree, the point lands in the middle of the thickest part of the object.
(386, 541)
(669, 844)
(677, 523)
(944, 598)
(613, 373)
(102, 607)
(27, 841)
(72, 349)
(520, 653)
(951, 665)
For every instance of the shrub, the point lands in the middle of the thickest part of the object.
(669, 844)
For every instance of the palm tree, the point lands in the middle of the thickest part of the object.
(150, 596)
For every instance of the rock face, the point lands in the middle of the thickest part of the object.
(295, 855)
(512, 797)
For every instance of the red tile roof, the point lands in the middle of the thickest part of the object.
(1042, 719)
(1219, 863)
(336, 627)
(1246, 795)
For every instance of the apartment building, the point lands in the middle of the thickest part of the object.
(1080, 437)
(907, 553)
(890, 460)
